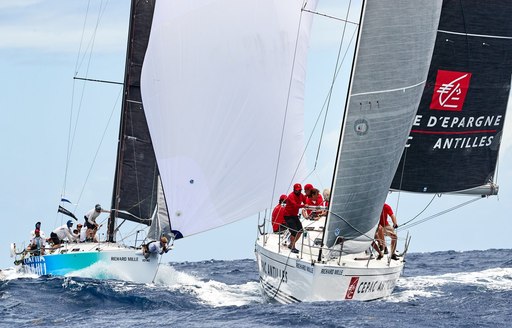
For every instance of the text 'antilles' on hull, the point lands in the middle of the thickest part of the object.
(288, 277)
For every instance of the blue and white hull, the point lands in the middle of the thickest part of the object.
(95, 260)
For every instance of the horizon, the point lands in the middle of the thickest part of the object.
(41, 41)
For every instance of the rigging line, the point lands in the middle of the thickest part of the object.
(63, 192)
(157, 267)
(323, 106)
(99, 146)
(318, 119)
(327, 100)
(93, 38)
(351, 226)
(89, 50)
(442, 212)
(132, 232)
(404, 155)
(423, 210)
(286, 106)
(282, 276)
(332, 17)
(337, 69)
(96, 80)
(82, 37)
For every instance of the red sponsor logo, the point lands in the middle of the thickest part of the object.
(351, 288)
(450, 90)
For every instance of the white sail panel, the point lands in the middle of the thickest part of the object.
(215, 85)
(395, 46)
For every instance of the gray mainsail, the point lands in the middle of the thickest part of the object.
(395, 43)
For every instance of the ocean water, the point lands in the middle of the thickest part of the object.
(441, 289)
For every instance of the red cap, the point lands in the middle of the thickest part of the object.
(297, 186)
(309, 186)
(283, 197)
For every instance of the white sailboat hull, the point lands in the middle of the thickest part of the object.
(287, 277)
(95, 260)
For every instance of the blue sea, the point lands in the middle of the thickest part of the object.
(440, 289)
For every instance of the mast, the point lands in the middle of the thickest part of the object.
(363, 7)
(131, 192)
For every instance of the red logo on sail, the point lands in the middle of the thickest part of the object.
(450, 90)
(352, 288)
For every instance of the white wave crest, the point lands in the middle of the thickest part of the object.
(499, 279)
(100, 270)
(213, 293)
(16, 273)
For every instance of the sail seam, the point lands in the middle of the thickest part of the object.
(390, 90)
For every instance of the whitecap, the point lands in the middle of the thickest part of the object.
(211, 292)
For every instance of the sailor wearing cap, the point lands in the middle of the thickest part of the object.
(41, 232)
(155, 247)
(294, 202)
(36, 246)
(90, 221)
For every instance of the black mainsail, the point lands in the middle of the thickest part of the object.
(136, 177)
(454, 142)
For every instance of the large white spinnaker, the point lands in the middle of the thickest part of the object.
(215, 86)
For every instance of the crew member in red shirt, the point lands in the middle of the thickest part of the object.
(307, 190)
(278, 223)
(294, 202)
(314, 199)
(386, 229)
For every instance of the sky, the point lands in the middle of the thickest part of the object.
(44, 44)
